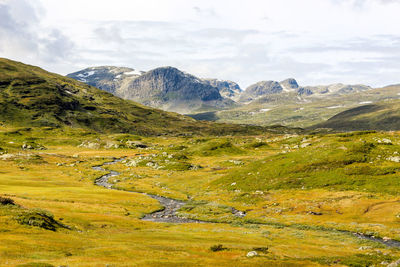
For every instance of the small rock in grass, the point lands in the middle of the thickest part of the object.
(385, 238)
(305, 145)
(386, 141)
(394, 264)
(394, 159)
(251, 254)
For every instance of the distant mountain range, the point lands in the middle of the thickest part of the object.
(171, 89)
(263, 103)
(33, 97)
(167, 88)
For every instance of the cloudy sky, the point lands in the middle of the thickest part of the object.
(314, 41)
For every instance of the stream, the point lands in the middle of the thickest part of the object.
(168, 214)
(170, 206)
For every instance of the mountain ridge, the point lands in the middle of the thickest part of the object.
(166, 87)
(33, 97)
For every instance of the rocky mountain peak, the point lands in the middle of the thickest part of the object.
(106, 78)
(227, 89)
(289, 84)
(259, 89)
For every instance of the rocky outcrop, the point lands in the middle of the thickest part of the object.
(260, 89)
(304, 91)
(227, 89)
(289, 85)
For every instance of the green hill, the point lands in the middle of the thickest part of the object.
(31, 96)
(380, 116)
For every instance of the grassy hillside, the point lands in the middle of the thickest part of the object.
(30, 96)
(379, 116)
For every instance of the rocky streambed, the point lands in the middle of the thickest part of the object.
(168, 213)
(170, 206)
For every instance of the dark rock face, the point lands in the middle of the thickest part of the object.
(168, 83)
(259, 89)
(167, 88)
(289, 84)
(304, 91)
(227, 89)
(171, 89)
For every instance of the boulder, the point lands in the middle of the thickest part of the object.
(305, 145)
(394, 159)
(251, 254)
(137, 144)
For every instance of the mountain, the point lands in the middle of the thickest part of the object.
(107, 78)
(260, 89)
(289, 85)
(166, 87)
(227, 89)
(267, 88)
(337, 89)
(31, 96)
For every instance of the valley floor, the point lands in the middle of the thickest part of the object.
(304, 198)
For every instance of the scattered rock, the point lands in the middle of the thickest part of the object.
(364, 248)
(385, 238)
(236, 162)
(238, 213)
(32, 146)
(305, 145)
(7, 156)
(394, 159)
(394, 264)
(136, 144)
(91, 145)
(251, 254)
(386, 141)
(132, 163)
(111, 145)
(25, 146)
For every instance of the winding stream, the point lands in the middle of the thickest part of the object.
(170, 207)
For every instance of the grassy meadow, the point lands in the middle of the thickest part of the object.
(303, 196)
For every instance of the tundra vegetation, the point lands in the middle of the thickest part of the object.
(303, 197)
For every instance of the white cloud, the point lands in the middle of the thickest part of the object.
(315, 41)
(23, 38)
